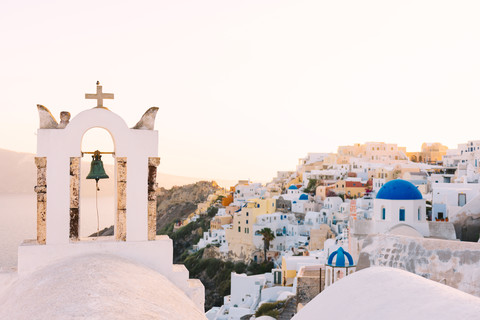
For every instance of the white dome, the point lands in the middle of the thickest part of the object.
(388, 293)
(96, 287)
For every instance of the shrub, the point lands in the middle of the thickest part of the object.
(229, 265)
(168, 229)
(260, 268)
(240, 267)
(271, 309)
(213, 265)
(212, 211)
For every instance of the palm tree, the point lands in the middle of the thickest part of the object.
(268, 236)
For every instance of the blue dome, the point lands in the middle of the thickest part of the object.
(340, 262)
(303, 197)
(293, 187)
(399, 190)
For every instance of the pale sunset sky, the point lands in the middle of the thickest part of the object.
(245, 88)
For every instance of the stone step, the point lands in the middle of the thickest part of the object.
(289, 311)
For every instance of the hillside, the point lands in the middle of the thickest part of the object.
(214, 273)
(178, 202)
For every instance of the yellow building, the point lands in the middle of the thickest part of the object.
(357, 150)
(431, 153)
(202, 208)
(298, 180)
(319, 236)
(374, 152)
(240, 236)
(322, 191)
(352, 188)
(217, 222)
(400, 170)
(387, 173)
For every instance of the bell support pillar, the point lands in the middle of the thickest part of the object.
(74, 197)
(153, 163)
(41, 190)
(121, 216)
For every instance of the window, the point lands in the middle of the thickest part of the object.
(383, 213)
(247, 213)
(462, 199)
(401, 215)
(239, 230)
(246, 222)
(419, 216)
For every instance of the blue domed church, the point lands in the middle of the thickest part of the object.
(340, 264)
(399, 208)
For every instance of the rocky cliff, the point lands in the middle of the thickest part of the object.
(178, 202)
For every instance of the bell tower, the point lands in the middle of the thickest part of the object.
(58, 163)
(58, 182)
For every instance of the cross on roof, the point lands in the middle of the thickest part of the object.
(99, 96)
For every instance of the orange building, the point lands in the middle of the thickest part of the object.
(227, 200)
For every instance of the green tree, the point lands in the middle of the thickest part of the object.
(212, 211)
(268, 236)
(312, 185)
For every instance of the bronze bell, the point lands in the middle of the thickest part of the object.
(97, 171)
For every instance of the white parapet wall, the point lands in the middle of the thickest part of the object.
(156, 255)
(454, 263)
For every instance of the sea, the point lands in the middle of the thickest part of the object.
(18, 222)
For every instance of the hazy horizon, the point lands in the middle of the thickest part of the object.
(247, 88)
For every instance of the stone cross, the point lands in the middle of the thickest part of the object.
(99, 95)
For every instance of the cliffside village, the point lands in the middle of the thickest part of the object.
(329, 215)
(391, 225)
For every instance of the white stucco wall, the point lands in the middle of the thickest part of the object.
(245, 289)
(58, 145)
(392, 209)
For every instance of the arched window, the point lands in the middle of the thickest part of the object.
(419, 214)
(383, 213)
(401, 214)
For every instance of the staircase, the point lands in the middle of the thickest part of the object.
(289, 310)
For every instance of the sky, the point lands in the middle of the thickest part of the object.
(245, 88)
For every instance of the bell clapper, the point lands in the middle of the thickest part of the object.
(96, 205)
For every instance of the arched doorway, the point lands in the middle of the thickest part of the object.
(91, 200)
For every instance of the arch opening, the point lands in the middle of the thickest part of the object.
(89, 198)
